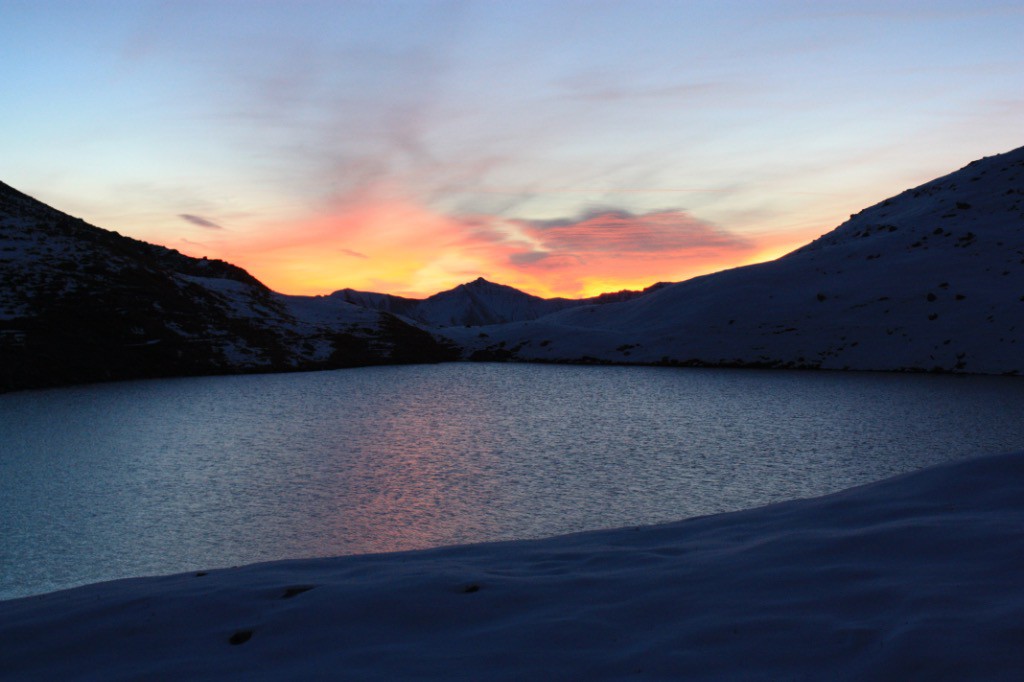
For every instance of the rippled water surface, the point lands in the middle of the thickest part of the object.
(114, 480)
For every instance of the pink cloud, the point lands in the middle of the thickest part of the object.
(622, 232)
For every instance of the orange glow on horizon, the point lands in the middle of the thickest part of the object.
(405, 249)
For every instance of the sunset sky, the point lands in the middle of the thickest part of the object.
(565, 148)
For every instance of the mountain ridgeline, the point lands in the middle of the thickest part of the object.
(929, 280)
(479, 303)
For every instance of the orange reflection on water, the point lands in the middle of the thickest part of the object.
(425, 488)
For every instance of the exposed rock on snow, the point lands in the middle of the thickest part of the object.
(916, 577)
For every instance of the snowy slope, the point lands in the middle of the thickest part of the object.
(930, 279)
(916, 577)
(396, 305)
(78, 303)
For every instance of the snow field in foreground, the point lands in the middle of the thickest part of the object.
(915, 577)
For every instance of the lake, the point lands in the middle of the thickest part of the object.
(137, 478)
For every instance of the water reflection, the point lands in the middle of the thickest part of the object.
(152, 477)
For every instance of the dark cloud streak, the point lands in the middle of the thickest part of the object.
(200, 221)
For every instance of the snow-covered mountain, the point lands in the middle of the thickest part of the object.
(481, 302)
(478, 303)
(931, 279)
(78, 303)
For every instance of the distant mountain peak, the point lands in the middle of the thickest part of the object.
(479, 302)
(481, 283)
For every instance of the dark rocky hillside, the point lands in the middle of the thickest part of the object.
(79, 303)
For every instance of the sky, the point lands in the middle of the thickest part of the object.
(565, 148)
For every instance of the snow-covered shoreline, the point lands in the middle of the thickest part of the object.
(915, 577)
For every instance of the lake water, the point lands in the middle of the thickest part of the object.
(107, 481)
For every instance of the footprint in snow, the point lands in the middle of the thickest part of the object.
(295, 590)
(240, 637)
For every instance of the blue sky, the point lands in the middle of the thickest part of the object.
(408, 146)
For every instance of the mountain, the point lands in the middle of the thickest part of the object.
(481, 302)
(79, 303)
(931, 279)
(478, 303)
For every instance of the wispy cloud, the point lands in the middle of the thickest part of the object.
(596, 88)
(409, 147)
(500, 109)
